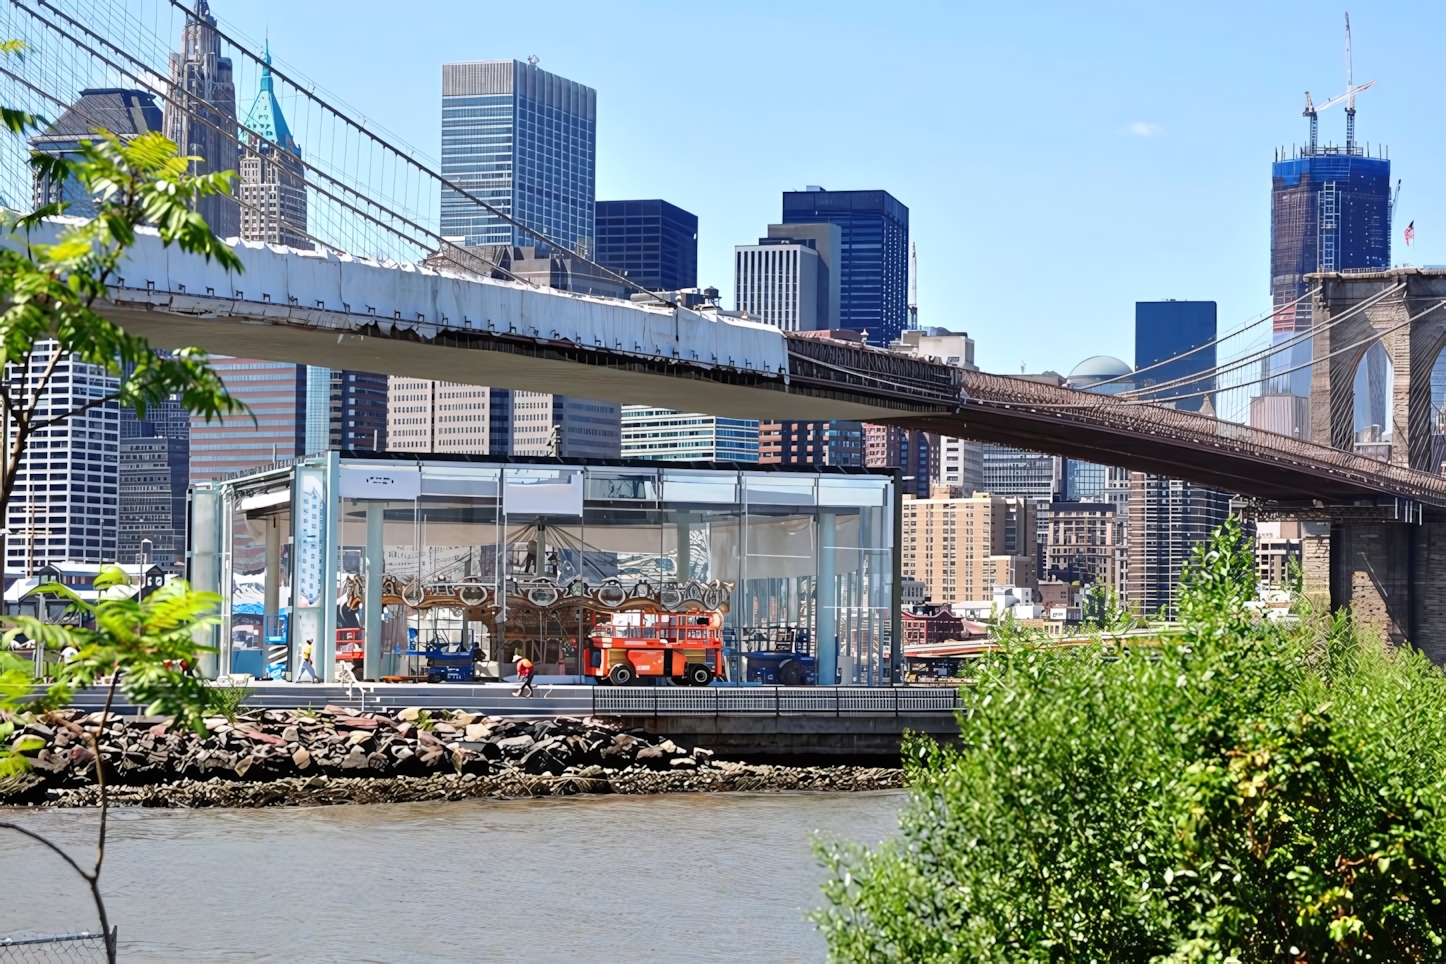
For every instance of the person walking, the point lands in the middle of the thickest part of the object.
(306, 665)
(525, 672)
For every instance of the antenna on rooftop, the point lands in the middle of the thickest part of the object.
(913, 286)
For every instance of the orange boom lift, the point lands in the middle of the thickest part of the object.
(687, 647)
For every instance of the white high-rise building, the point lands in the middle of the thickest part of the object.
(65, 503)
(432, 416)
(544, 424)
(661, 433)
(783, 283)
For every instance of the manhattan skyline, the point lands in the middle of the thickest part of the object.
(1058, 165)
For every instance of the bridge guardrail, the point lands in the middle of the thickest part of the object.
(771, 701)
(1099, 409)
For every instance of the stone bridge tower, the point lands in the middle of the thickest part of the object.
(1406, 309)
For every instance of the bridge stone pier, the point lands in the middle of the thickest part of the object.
(1385, 562)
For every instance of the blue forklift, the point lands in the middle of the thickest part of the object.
(780, 656)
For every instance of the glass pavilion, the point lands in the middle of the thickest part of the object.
(392, 557)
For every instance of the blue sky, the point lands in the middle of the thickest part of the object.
(1060, 161)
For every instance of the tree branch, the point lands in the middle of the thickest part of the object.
(92, 880)
(94, 877)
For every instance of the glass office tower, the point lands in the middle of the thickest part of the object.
(651, 243)
(523, 140)
(1164, 332)
(873, 259)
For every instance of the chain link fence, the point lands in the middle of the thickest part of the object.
(83, 947)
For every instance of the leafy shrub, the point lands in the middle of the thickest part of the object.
(227, 700)
(1246, 791)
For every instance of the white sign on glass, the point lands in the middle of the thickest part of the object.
(399, 484)
(553, 494)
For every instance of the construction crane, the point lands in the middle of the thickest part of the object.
(1391, 213)
(1349, 97)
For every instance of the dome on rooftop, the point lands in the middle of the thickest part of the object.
(1101, 368)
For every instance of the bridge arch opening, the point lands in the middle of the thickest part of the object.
(1437, 465)
(1374, 418)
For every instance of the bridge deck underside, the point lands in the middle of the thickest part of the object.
(524, 364)
(1217, 465)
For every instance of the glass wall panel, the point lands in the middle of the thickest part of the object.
(780, 569)
(259, 582)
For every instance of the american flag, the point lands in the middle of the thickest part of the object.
(1410, 232)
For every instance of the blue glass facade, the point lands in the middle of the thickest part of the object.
(1165, 330)
(1330, 211)
(651, 243)
(523, 140)
(874, 255)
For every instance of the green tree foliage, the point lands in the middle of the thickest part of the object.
(1246, 791)
(50, 290)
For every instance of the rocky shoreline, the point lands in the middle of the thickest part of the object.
(337, 756)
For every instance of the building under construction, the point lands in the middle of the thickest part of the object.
(1330, 211)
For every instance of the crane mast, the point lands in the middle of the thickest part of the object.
(1349, 98)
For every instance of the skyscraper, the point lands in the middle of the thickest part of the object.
(202, 81)
(432, 416)
(962, 546)
(1168, 519)
(64, 503)
(873, 255)
(358, 403)
(524, 141)
(1164, 332)
(781, 282)
(125, 113)
(913, 451)
(155, 469)
(811, 443)
(544, 424)
(277, 395)
(1330, 210)
(663, 434)
(653, 244)
(273, 191)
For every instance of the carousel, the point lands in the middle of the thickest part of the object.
(466, 629)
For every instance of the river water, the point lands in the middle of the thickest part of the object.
(669, 878)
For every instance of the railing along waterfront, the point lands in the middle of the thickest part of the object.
(772, 701)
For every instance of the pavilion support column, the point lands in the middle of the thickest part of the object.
(826, 601)
(372, 595)
(271, 591)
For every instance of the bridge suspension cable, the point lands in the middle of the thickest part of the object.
(1218, 339)
(1375, 336)
(343, 197)
(367, 195)
(1262, 355)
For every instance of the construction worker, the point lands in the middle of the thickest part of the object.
(525, 672)
(306, 666)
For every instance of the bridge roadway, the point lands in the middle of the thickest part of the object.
(863, 723)
(318, 308)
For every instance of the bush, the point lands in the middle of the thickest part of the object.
(1247, 791)
(227, 700)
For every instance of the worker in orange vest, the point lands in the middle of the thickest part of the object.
(525, 672)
